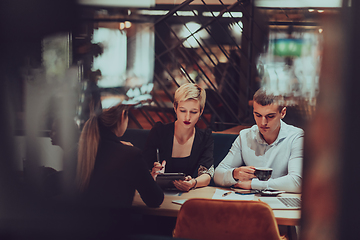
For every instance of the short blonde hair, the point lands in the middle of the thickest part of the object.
(190, 91)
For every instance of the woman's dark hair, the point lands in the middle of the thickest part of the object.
(89, 141)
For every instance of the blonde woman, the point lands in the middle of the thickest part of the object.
(109, 170)
(182, 146)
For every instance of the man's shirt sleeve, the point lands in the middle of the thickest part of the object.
(223, 172)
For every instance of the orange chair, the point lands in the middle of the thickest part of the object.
(223, 219)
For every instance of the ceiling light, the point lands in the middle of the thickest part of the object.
(187, 13)
(152, 12)
(127, 24)
(226, 14)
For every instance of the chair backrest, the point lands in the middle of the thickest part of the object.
(224, 219)
(222, 144)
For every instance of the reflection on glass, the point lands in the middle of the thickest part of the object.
(190, 32)
(112, 63)
(127, 62)
(291, 65)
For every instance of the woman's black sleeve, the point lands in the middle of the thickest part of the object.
(149, 190)
(207, 156)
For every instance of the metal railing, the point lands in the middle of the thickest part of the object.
(216, 61)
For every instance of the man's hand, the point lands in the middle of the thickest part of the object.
(158, 168)
(243, 184)
(185, 185)
(244, 173)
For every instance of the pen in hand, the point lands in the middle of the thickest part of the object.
(157, 156)
(158, 160)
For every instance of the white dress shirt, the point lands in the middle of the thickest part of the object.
(284, 156)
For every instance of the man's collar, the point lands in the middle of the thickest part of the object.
(281, 135)
(258, 136)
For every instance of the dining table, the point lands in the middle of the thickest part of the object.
(173, 200)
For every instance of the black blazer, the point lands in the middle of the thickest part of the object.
(119, 170)
(161, 136)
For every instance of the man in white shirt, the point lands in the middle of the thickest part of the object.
(270, 143)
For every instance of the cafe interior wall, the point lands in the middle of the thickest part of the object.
(176, 61)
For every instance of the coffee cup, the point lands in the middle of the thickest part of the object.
(263, 173)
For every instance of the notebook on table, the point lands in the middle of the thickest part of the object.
(282, 202)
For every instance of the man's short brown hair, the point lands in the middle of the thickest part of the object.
(264, 99)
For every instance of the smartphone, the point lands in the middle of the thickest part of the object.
(245, 191)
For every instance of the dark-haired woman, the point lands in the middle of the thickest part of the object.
(109, 170)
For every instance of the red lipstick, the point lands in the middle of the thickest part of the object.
(186, 122)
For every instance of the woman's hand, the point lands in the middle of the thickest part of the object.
(127, 143)
(158, 168)
(185, 185)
